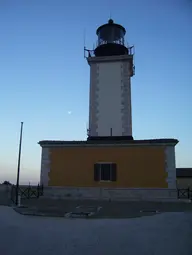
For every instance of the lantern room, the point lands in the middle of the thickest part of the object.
(110, 40)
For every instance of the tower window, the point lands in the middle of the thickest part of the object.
(105, 172)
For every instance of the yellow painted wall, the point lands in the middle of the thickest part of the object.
(136, 166)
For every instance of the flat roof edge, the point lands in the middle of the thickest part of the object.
(58, 143)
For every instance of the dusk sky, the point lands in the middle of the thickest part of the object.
(44, 78)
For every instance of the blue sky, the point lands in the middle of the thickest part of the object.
(43, 74)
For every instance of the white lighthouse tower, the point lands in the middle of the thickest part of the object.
(111, 69)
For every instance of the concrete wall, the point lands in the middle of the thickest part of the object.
(109, 99)
(110, 96)
(5, 194)
(110, 194)
(137, 166)
(184, 182)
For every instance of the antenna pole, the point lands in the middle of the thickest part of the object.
(18, 167)
(84, 39)
(110, 15)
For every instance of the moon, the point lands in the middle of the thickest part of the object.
(69, 112)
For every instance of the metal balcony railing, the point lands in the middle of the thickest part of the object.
(90, 53)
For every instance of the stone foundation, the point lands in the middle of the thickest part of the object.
(111, 194)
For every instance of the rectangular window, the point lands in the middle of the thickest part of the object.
(105, 172)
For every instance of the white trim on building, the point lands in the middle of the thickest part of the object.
(45, 166)
(170, 167)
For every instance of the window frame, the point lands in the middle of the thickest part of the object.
(100, 164)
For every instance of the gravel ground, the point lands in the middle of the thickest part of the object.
(56, 207)
(166, 233)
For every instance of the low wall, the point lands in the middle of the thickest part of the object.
(98, 194)
(5, 194)
(110, 194)
(184, 183)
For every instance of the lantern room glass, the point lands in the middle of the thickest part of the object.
(111, 34)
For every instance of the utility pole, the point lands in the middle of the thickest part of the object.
(19, 161)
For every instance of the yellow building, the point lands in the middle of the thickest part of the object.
(110, 163)
(141, 164)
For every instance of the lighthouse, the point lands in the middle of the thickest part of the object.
(110, 164)
(111, 68)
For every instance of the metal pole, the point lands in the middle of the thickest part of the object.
(18, 167)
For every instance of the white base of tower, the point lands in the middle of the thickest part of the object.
(110, 96)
